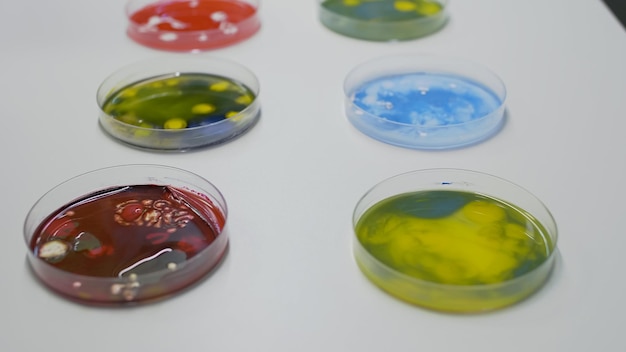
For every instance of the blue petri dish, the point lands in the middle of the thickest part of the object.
(425, 102)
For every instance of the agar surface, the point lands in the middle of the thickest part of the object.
(187, 25)
(128, 231)
(178, 102)
(425, 99)
(454, 238)
(384, 10)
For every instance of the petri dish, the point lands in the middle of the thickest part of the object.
(425, 101)
(191, 25)
(383, 20)
(126, 234)
(177, 104)
(454, 240)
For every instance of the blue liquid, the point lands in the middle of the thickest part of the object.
(424, 99)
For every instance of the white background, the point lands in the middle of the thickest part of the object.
(289, 282)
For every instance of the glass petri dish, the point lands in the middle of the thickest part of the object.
(425, 101)
(177, 104)
(454, 240)
(191, 25)
(126, 234)
(383, 20)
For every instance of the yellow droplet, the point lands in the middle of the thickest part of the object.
(175, 123)
(130, 119)
(405, 6)
(351, 2)
(202, 109)
(428, 8)
(219, 86)
(128, 93)
(244, 100)
(171, 82)
(144, 131)
(235, 116)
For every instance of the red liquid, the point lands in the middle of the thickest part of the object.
(186, 25)
(142, 236)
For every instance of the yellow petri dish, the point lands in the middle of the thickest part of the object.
(454, 240)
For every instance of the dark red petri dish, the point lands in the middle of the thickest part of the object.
(116, 236)
(191, 25)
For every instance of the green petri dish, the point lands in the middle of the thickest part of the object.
(177, 104)
(383, 20)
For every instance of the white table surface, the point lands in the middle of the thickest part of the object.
(289, 282)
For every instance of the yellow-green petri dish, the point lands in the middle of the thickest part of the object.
(178, 103)
(454, 240)
(383, 20)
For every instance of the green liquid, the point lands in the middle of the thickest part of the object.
(382, 20)
(453, 237)
(178, 102)
(384, 10)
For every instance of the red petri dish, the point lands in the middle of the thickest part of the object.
(191, 25)
(126, 234)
